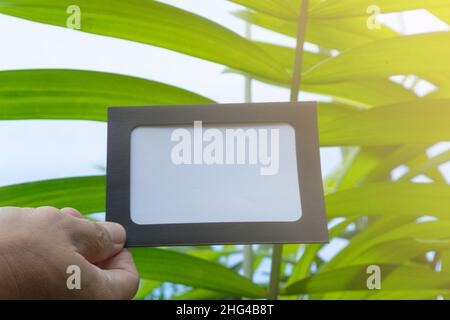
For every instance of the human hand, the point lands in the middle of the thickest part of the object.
(38, 245)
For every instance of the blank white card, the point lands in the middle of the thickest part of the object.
(222, 173)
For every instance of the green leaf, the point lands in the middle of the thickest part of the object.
(399, 55)
(394, 277)
(442, 13)
(145, 288)
(285, 55)
(363, 239)
(392, 160)
(302, 267)
(360, 164)
(432, 173)
(157, 24)
(422, 121)
(399, 251)
(431, 235)
(85, 95)
(165, 265)
(352, 8)
(340, 34)
(212, 255)
(330, 111)
(87, 194)
(423, 166)
(359, 93)
(445, 260)
(401, 198)
(364, 93)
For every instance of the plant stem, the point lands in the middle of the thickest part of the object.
(248, 261)
(275, 271)
(248, 250)
(298, 62)
(248, 79)
(277, 251)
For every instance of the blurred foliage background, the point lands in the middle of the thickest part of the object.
(393, 222)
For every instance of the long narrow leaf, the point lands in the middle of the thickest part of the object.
(85, 95)
(397, 277)
(422, 121)
(165, 265)
(414, 199)
(400, 55)
(340, 34)
(87, 194)
(157, 24)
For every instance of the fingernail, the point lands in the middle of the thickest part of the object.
(116, 231)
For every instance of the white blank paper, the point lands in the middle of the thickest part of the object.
(162, 192)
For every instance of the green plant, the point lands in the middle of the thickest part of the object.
(378, 123)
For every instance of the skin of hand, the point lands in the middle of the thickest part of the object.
(38, 245)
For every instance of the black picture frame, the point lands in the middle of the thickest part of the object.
(310, 228)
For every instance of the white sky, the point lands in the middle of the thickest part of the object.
(36, 150)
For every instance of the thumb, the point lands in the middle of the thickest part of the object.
(96, 241)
